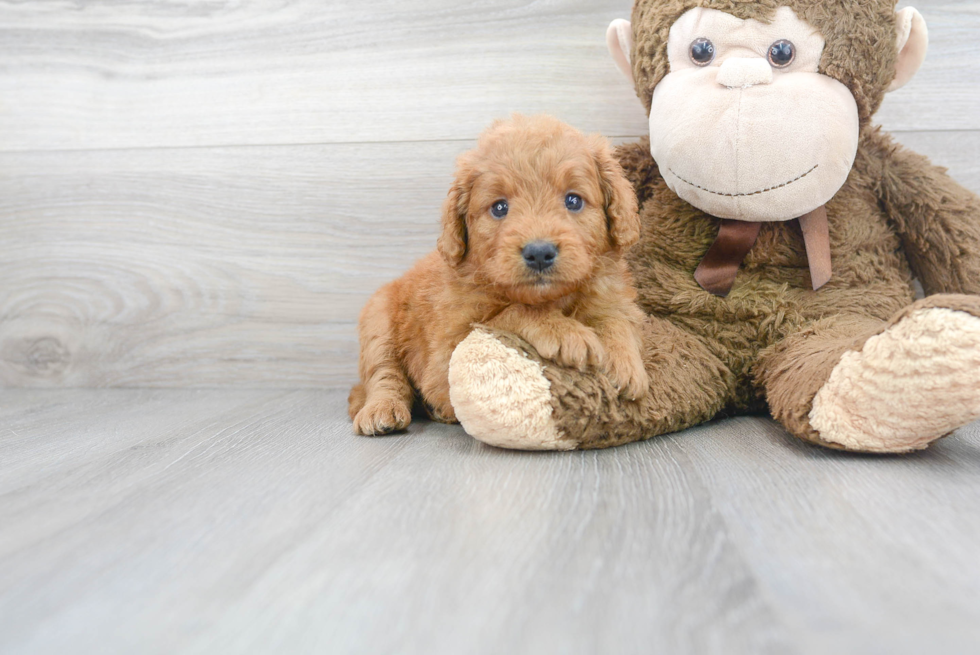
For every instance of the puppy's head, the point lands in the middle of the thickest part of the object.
(535, 208)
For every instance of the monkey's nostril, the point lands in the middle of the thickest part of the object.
(540, 255)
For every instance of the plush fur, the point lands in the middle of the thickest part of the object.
(580, 311)
(774, 343)
(859, 34)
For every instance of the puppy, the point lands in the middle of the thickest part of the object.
(533, 233)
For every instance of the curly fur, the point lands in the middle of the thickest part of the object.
(580, 312)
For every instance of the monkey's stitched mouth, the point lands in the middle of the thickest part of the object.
(742, 195)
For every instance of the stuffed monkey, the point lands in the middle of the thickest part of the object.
(782, 232)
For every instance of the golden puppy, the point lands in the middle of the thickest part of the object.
(533, 233)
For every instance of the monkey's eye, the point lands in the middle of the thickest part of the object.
(782, 53)
(574, 202)
(499, 209)
(702, 52)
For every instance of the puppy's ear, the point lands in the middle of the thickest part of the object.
(452, 241)
(618, 197)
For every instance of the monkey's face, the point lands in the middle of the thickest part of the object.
(744, 126)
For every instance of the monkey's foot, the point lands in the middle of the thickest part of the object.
(915, 382)
(501, 397)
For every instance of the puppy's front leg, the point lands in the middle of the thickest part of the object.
(382, 402)
(554, 335)
(624, 345)
(434, 386)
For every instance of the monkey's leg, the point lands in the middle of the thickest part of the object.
(506, 395)
(382, 403)
(858, 384)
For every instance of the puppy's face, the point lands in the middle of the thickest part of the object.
(534, 209)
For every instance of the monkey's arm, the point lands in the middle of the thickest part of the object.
(638, 164)
(937, 219)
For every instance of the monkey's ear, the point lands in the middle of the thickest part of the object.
(618, 198)
(913, 41)
(619, 40)
(452, 242)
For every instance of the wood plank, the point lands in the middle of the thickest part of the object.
(268, 527)
(142, 74)
(120, 268)
(224, 266)
(877, 554)
(157, 74)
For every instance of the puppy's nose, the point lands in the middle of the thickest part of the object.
(540, 255)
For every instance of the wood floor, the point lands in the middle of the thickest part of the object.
(231, 521)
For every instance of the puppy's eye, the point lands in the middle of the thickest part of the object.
(499, 209)
(782, 53)
(702, 52)
(574, 202)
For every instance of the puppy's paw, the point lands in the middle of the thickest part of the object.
(626, 371)
(566, 342)
(441, 413)
(580, 347)
(546, 343)
(356, 400)
(381, 416)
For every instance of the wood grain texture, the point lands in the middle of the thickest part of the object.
(177, 521)
(225, 266)
(876, 554)
(171, 73)
(248, 264)
(161, 73)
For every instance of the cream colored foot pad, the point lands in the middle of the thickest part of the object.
(914, 383)
(501, 397)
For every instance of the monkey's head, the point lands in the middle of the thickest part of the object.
(756, 107)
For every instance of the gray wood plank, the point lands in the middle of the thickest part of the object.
(142, 74)
(225, 266)
(266, 526)
(55, 436)
(122, 267)
(877, 554)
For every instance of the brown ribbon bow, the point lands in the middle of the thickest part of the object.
(717, 270)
